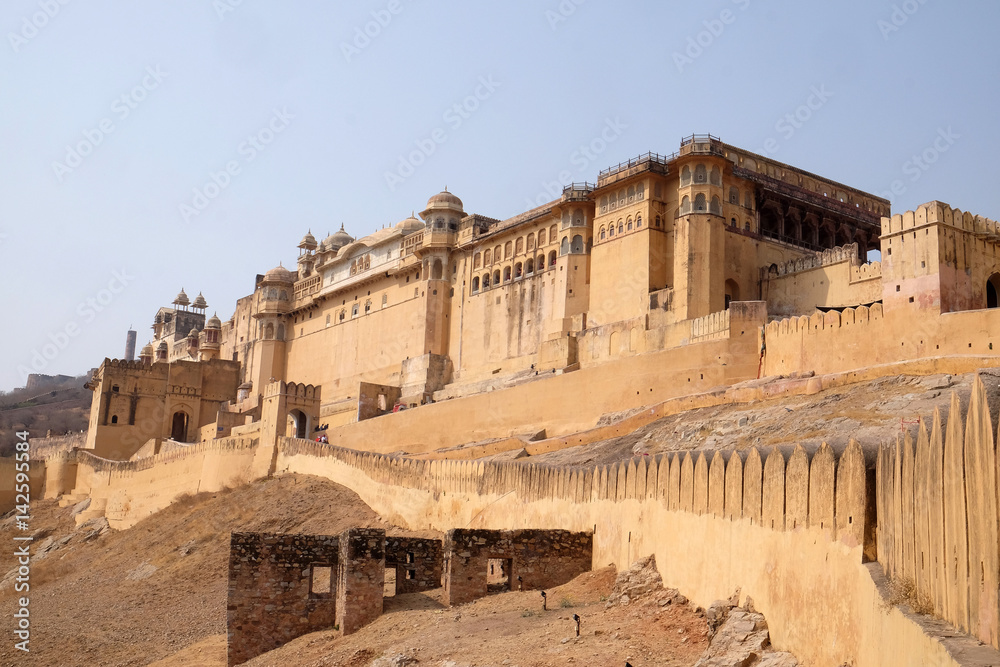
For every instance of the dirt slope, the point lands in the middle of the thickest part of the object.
(870, 412)
(135, 596)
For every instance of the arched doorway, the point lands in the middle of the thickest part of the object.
(300, 423)
(992, 291)
(732, 292)
(178, 427)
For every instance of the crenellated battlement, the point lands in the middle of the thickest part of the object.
(845, 253)
(937, 212)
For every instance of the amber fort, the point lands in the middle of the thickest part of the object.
(424, 365)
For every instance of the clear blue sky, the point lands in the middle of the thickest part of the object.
(114, 113)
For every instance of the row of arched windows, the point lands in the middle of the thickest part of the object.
(510, 249)
(701, 205)
(518, 270)
(700, 175)
(621, 227)
(623, 197)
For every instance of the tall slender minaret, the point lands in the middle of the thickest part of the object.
(130, 344)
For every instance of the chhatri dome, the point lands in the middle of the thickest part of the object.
(338, 240)
(279, 274)
(410, 225)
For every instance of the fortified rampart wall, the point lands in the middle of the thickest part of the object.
(790, 534)
(131, 490)
(561, 404)
(832, 278)
(862, 337)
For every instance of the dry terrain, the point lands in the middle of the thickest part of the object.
(870, 412)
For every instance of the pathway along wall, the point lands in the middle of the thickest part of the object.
(789, 534)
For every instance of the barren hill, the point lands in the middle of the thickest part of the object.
(135, 596)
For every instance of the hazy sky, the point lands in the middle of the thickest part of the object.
(150, 146)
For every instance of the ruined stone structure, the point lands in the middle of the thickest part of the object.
(532, 559)
(284, 586)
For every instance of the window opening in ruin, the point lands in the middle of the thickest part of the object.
(389, 587)
(114, 419)
(320, 581)
(498, 575)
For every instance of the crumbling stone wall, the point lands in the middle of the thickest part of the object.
(541, 558)
(360, 578)
(270, 600)
(419, 563)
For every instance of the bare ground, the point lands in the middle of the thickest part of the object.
(869, 412)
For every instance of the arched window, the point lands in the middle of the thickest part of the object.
(732, 292)
(529, 266)
(496, 254)
(506, 274)
(685, 205)
(603, 233)
(577, 217)
(343, 314)
(685, 176)
(638, 220)
(604, 204)
(699, 203)
(496, 277)
(732, 222)
(716, 176)
(577, 246)
(531, 242)
(354, 310)
(611, 229)
(700, 174)
(114, 419)
(477, 260)
(540, 263)
(564, 246)
(993, 291)
(716, 205)
(734, 195)
(475, 284)
(541, 237)
(368, 306)
(507, 248)
(658, 222)
(437, 270)
(269, 331)
(621, 197)
(628, 224)
(487, 258)
(518, 270)
(640, 191)
(552, 258)
(631, 194)
(519, 246)
(486, 280)
(553, 232)
(746, 225)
